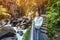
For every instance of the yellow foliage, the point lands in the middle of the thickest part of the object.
(27, 5)
(3, 13)
(30, 5)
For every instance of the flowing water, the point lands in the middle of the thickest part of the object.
(18, 35)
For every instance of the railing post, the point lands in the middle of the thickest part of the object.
(32, 28)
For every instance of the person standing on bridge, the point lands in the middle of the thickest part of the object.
(37, 23)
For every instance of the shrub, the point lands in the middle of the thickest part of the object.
(53, 18)
(27, 35)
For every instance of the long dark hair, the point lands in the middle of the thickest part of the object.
(39, 11)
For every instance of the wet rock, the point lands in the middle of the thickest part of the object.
(6, 32)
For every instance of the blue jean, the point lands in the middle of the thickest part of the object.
(36, 34)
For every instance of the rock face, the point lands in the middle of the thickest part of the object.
(9, 38)
(6, 32)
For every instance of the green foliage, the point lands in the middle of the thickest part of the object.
(53, 18)
(27, 35)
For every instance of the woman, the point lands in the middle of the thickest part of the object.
(37, 23)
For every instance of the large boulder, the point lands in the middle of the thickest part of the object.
(6, 32)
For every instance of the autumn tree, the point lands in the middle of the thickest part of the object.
(12, 7)
(17, 8)
(31, 5)
(3, 13)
